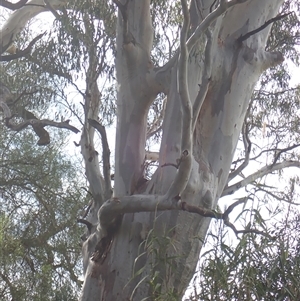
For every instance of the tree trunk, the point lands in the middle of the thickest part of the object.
(141, 244)
(153, 255)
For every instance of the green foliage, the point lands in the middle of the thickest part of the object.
(257, 268)
(40, 200)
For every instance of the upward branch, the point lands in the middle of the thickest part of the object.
(184, 170)
(259, 174)
(224, 6)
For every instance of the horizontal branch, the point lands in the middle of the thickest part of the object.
(115, 207)
(259, 174)
(37, 125)
(42, 122)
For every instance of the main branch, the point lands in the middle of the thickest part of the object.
(184, 167)
(153, 203)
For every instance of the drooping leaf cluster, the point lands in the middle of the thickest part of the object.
(256, 268)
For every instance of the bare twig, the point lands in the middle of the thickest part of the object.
(85, 222)
(247, 147)
(253, 32)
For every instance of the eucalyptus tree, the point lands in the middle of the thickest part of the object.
(184, 74)
(39, 250)
(40, 196)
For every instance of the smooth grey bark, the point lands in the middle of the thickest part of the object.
(235, 70)
(143, 245)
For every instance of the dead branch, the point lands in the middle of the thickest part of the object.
(253, 32)
(21, 53)
(30, 119)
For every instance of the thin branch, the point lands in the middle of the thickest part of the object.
(253, 32)
(278, 152)
(222, 8)
(162, 73)
(205, 79)
(21, 53)
(185, 163)
(280, 198)
(42, 122)
(85, 222)
(105, 156)
(259, 174)
(51, 9)
(247, 148)
(13, 6)
(156, 124)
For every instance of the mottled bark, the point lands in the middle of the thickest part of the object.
(144, 251)
(235, 69)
